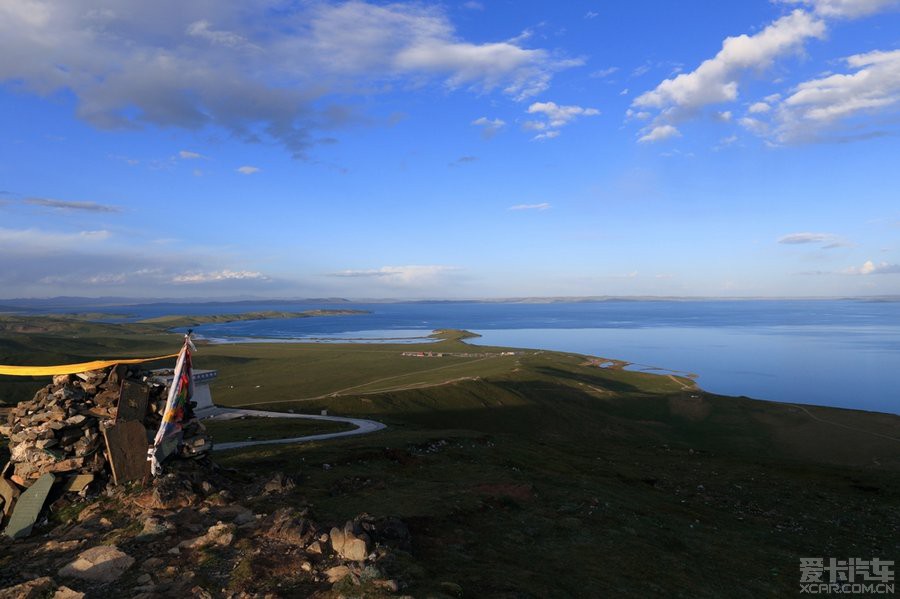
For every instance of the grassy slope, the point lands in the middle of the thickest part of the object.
(540, 475)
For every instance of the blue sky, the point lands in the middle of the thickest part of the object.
(454, 150)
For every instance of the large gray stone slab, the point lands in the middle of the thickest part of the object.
(29, 507)
(126, 445)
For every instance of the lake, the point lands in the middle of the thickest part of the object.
(843, 353)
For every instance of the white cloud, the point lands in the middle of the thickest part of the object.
(247, 170)
(828, 240)
(541, 206)
(94, 235)
(43, 241)
(188, 155)
(754, 125)
(546, 135)
(716, 79)
(659, 133)
(800, 238)
(46, 262)
(218, 275)
(725, 116)
(725, 142)
(559, 116)
(846, 8)
(489, 127)
(820, 105)
(203, 29)
(641, 70)
(870, 268)
(603, 73)
(67, 205)
(641, 115)
(556, 117)
(400, 275)
(464, 160)
(591, 14)
(252, 71)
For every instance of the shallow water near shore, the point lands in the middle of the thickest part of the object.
(842, 368)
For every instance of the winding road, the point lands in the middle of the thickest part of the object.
(363, 427)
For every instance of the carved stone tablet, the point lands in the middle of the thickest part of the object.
(133, 401)
(126, 445)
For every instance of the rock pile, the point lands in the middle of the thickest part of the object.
(88, 428)
(210, 541)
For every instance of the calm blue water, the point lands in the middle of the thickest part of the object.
(827, 352)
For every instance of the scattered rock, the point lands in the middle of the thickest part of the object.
(152, 563)
(33, 589)
(54, 546)
(388, 585)
(153, 527)
(244, 517)
(289, 527)
(350, 543)
(280, 483)
(314, 547)
(171, 492)
(220, 534)
(103, 563)
(67, 593)
(337, 573)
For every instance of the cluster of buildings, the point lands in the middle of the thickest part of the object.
(434, 354)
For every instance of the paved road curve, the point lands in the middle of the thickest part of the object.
(363, 427)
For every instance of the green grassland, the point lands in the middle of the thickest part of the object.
(540, 474)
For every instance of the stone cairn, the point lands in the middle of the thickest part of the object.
(73, 427)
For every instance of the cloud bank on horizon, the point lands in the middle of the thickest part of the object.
(220, 148)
